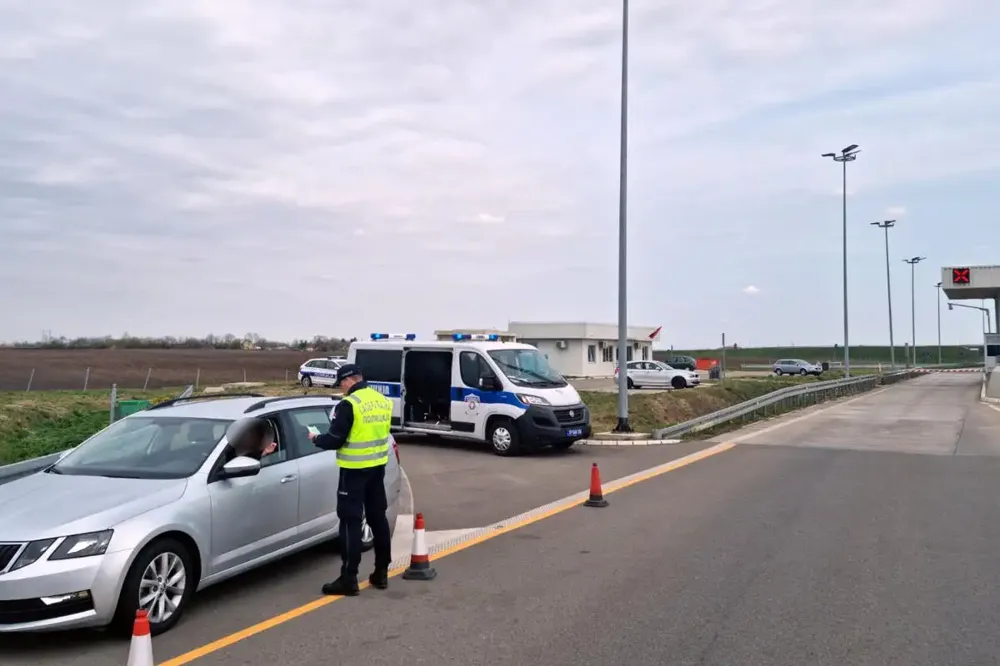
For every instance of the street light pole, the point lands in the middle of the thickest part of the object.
(623, 424)
(986, 327)
(885, 226)
(913, 261)
(846, 155)
(938, 285)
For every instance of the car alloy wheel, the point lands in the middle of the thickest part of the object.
(162, 586)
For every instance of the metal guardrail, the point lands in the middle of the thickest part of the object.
(792, 397)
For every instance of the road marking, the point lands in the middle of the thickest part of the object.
(742, 438)
(481, 535)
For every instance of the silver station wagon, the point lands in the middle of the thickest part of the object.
(161, 504)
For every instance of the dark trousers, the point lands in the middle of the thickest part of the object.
(361, 496)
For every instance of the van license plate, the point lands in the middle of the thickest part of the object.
(574, 432)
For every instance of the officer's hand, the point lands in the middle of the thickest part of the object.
(311, 435)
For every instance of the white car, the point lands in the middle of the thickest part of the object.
(320, 371)
(654, 374)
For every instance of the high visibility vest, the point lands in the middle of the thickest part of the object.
(368, 442)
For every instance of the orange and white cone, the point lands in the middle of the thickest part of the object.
(420, 560)
(140, 652)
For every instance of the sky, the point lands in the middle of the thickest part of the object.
(323, 167)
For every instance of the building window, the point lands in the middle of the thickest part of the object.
(628, 353)
(591, 353)
(645, 353)
(608, 354)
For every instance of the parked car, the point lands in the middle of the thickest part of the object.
(793, 366)
(161, 504)
(682, 363)
(660, 375)
(320, 371)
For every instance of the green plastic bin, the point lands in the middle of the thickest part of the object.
(129, 407)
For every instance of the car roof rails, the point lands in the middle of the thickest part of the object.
(260, 404)
(212, 396)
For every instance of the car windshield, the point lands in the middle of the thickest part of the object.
(527, 367)
(145, 447)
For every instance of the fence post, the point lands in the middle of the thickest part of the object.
(244, 375)
(146, 384)
(31, 378)
(86, 379)
(197, 378)
(286, 376)
(114, 400)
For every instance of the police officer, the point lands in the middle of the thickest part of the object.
(359, 433)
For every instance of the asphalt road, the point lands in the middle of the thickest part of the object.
(859, 532)
(456, 485)
(805, 548)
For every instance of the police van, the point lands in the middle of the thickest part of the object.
(473, 387)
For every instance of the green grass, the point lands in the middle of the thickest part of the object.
(957, 354)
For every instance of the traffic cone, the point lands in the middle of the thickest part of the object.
(140, 652)
(420, 560)
(596, 494)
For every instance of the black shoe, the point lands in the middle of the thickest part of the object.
(379, 579)
(341, 588)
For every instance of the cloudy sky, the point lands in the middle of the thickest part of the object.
(302, 167)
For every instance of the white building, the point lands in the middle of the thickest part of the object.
(584, 349)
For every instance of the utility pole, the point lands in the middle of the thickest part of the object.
(623, 424)
(885, 226)
(846, 155)
(913, 261)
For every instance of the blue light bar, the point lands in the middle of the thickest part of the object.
(458, 337)
(394, 336)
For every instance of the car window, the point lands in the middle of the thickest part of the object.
(300, 422)
(146, 447)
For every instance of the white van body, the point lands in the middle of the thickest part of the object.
(502, 393)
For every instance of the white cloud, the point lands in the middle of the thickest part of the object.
(895, 212)
(751, 290)
(458, 137)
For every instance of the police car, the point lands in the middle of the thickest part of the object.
(320, 371)
(474, 387)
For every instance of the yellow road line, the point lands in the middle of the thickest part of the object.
(287, 616)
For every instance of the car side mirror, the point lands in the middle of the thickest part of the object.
(489, 384)
(240, 467)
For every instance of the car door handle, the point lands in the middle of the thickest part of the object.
(287, 478)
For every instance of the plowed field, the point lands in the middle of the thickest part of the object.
(67, 369)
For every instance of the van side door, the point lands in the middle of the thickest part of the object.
(473, 394)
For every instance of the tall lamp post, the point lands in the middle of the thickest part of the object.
(938, 285)
(623, 425)
(913, 261)
(885, 226)
(846, 155)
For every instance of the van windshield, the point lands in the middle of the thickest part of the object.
(527, 367)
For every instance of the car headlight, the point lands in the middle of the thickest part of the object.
(32, 553)
(532, 399)
(82, 545)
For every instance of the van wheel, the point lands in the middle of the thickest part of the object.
(161, 582)
(678, 382)
(306, 381)
(504, 438)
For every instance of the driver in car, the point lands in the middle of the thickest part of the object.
(255, 440)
